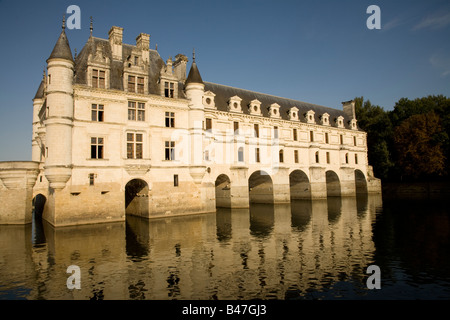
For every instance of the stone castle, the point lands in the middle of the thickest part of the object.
(117, 130)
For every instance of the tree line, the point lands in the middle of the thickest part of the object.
(409, 143)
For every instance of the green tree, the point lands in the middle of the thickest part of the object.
(419, 144)
(376, 122)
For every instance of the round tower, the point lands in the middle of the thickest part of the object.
(195, 89)
(59, 117)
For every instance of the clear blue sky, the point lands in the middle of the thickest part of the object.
(315, 51)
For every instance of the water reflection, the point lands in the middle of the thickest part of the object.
(306, 249)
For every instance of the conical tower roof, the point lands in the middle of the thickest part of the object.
(62, 48)
(194, 75)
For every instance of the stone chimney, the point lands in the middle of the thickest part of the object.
(349, 109)
(115, 41)
(143, 43)
(179, 67)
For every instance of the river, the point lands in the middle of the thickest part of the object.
(305, 250)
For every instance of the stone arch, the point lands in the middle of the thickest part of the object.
(260, 187)
(333, 184)
(38, 205)
(360, 182)
(300, 187)
(136, 198)
(38, 235)
(223, 191)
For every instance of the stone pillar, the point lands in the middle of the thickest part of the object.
(16, 194)
(318, 183)
(347, 180)
(281, 188)
(239, 187)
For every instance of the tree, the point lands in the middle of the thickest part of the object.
(375, 121)
(419, 144)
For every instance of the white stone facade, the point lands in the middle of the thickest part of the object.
(150, 142)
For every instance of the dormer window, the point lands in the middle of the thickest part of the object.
(293, 114)
(325, 119)
(98, 78)
(169, 89)
(274, 110)
(208, 99)
(309, 117)
(136, 60)
(353, 124)
(234, 104)
(136, 84)
(340, 122)
(254, 107)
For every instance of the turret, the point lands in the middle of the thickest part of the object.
(59, 119)
(195, 89)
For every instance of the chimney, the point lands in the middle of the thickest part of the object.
(143, 43)
(179, 67)
(349, 109)
(115, 41)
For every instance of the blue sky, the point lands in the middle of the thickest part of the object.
(315, 51)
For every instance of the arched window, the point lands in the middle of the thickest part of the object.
(317, 156)
(281, 156)
(346, 158)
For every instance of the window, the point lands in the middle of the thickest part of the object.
(136, 111)
(208, 124)
(49, 79)
(317, 156)
(236, 127)
(275, 132)
(175, 180)
(256, 128)
(96, 148)
(170, 119)
(354, 141)
(91, 179)
(328, 157)
(257, 159)
(296, 156)
(136, 60)
(295, 134)
(346, 158)
(168, 89)
(341, 138)
(326, 137)
(97, 112)
(98, 78)
(134, 145)
(356, 158)
(311, 136)
(170, 150)
(281, 156)
(131, 83)
(241, 154)
(140, 85)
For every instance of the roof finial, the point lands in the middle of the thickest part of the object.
(91, 26)
(193, 55)
(156, 46)
(64, 22)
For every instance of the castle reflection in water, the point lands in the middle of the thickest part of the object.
(267, 252)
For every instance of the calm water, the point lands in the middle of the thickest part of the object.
(303, 250)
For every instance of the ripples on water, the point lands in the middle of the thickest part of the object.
(303, 250)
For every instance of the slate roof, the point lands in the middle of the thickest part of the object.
(194, 75)
(62, 48)
(224, 93)
(117, 67)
